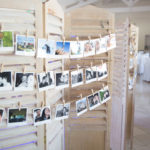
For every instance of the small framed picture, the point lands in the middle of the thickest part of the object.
(6, 41)
(102, 71)
(104, 95)
(6, 81)
(25, 45)
(93, 101)
(46, 80)
(91, 74)
(42, 115)
(81, 106)
(1, 115)
(24, 82)
(62, 79)
(77, 78)
(103, 45)
(46, 48)
(76, 49)
(62, 111)
(17, 116)
(111, 41)
(89, 48)
(62, 49)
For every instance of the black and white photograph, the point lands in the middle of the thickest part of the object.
(93, 101)
(103, 45)
(46, 48)
(76, 49)
(24, 82)
(104, 95)
(62, 79)
(42, 115)
(45, 80)
(17, 116)
(91, 74)
(62, 111)
(102, 71)
(89, 48)
(81, 106)
(1, 115)
(6, 81)
(77, 78)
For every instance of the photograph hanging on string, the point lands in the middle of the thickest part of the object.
(42, 115)
(93, 101)
(102, 71)
(77, 78)
(24, 81)
(111, 41)
(104, 94)
(103, 45)
(25, 45)
(45, 80)
(97, 45)
(91, 74)
(46, 48)
(62, 50)
(81, 106)
(89, 48)
(62, 111)
(76, 49)
(6, 81)
(1, 115)
(62, 79)
(6, 41)
(17, 116)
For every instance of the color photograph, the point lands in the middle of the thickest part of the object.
(17, 116)
(62, 49)
(46, 48)
(81, 106)
(76, 49)
(25, 45)
(103, 45)
(62, 111)
(42, 115)
(97, 46)
(24, 82)
(45, 81)
(93, 101)
(77, 78)
(6, 81)
(104, 95)
(89, 48)
(6, 41)
(111, 41)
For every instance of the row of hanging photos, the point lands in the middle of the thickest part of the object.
(25, 81)
(42, 115)
(25, 46)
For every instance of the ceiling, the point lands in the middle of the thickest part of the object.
(112, 5)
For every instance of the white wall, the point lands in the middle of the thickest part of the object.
(142, 20)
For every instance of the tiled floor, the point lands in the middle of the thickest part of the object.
(142, 116)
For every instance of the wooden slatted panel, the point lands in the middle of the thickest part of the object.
(21, 17)
(54, 28)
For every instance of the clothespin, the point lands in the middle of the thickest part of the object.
(91, 65)
(103, 86)
(19, 105)
(81, 95)
(63, 101)
(24, 69)
(42, 104)
(100, 36)
(63, 38)
(2, 68)
(77, 38)
(89, 37)
(102, 62)
(92, 91)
